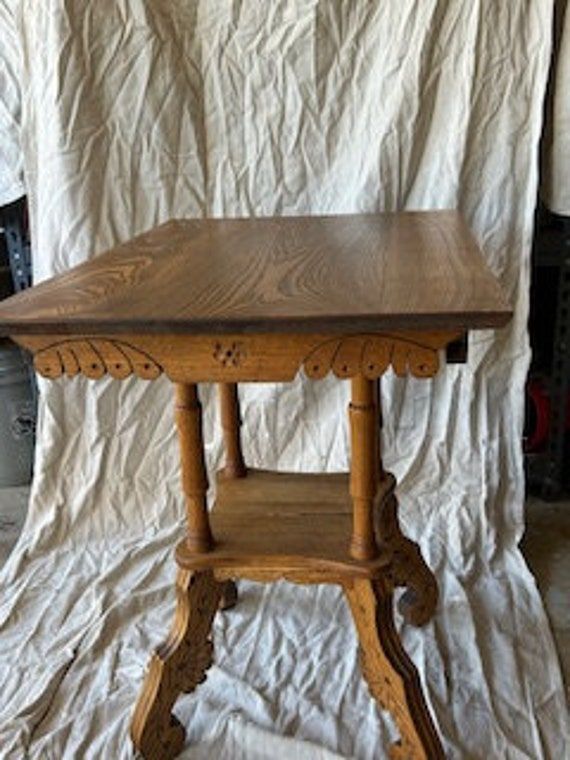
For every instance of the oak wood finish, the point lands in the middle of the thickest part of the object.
(231, 301)
(234, 465)
(229, 595)
(177, 666)
(377, 437)
(282, 525)
(194, 475)
(285, 508)
(363, 413)
(339, 274)
(389, 672)
(243, 358)
(406, 566)
(231, 422)
(298, 526)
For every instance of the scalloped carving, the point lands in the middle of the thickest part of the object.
(371, 355)
(94, 357)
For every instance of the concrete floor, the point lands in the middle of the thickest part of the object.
(546, 546)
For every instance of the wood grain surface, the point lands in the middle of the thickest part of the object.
(188, 414)
(235, 357)
(178, 665)
(272, 525)
(412, 270)
(364, 424)
(391, 676)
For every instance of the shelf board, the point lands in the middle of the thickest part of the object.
(283, 525)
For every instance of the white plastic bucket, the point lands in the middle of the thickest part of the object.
(17, 418)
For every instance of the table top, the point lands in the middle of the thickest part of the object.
(410, 270)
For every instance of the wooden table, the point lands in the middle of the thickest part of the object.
(249, 300)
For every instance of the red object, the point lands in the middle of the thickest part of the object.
(538, 415)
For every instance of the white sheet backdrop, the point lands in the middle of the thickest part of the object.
(11, 157)
(134, 112)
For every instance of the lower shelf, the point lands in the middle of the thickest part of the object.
(271, 524)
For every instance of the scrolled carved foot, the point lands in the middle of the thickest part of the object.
(178, 665)
(419, 601)
(391, 676)
(229, 595)
(407, 567)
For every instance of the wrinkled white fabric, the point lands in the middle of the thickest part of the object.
(11, 157)
(136, 112)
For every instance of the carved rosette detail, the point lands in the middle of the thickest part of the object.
(230, 354)
(371, 355)
(94, 357)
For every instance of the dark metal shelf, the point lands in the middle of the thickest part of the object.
(549, 472)
(14, 229)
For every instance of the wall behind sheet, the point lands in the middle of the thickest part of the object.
(135, 112)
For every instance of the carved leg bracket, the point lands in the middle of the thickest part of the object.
(390, 674)
(229, 595)
(178, 665)
(406, 566)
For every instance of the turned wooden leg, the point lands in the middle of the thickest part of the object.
(194, 475)
(389, 672)
(178, 665)
(234, 466)
(379, 425)
(229, 409)
(363, 415)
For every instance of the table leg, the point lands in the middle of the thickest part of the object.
(231, 422)
(194, 475)
(234, 464)
(390, 674)
(178, 665)
(229, 595)
(406, 567)
(363, 415)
